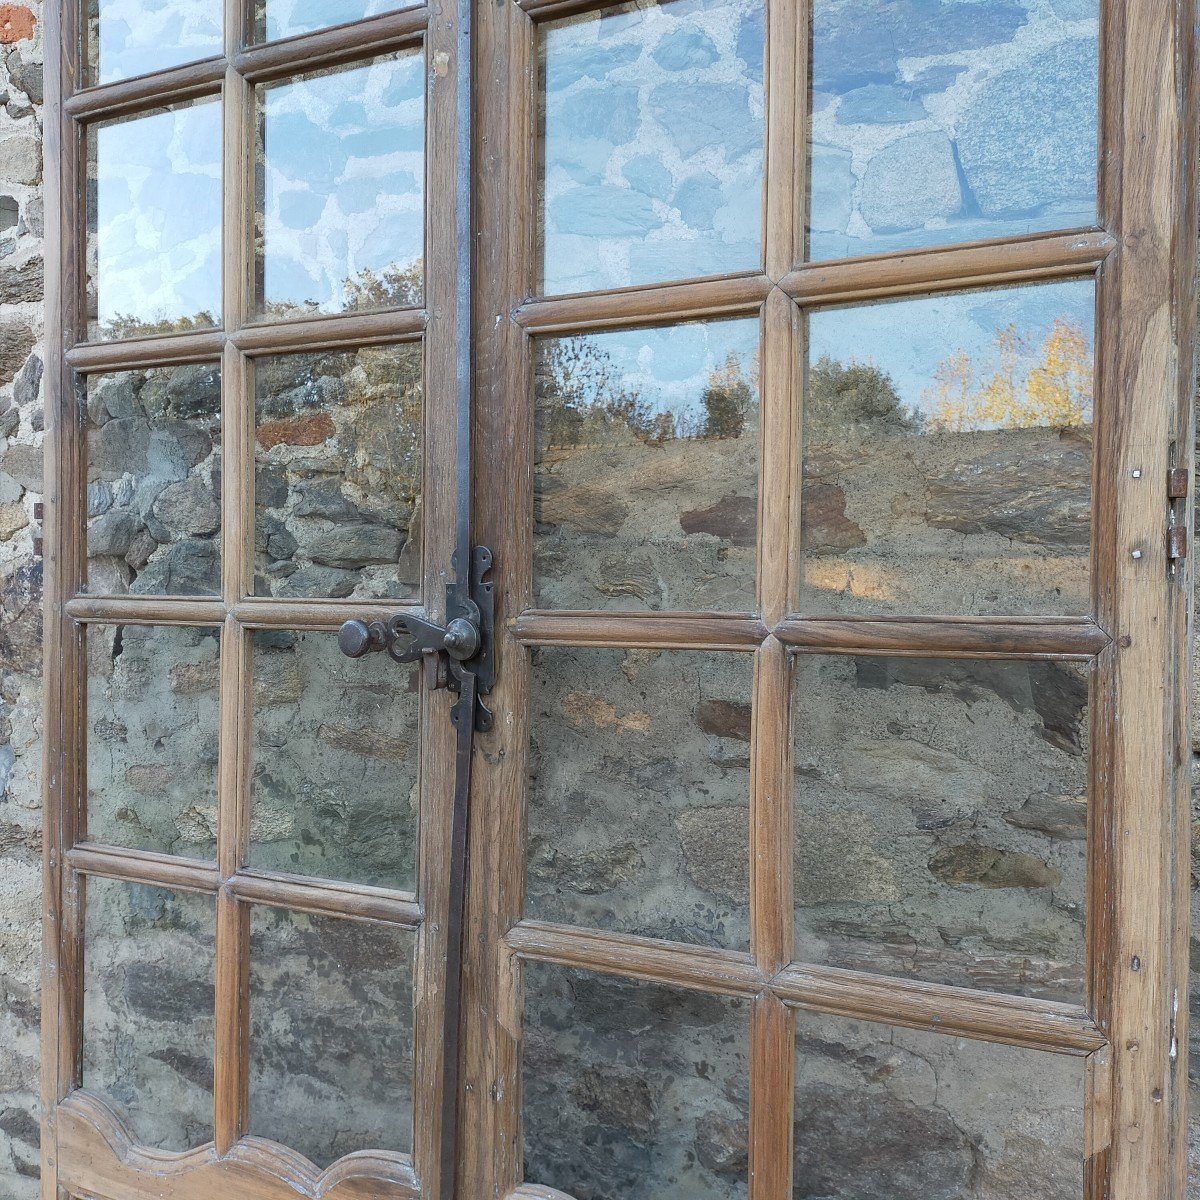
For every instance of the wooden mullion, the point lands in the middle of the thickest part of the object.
(946, 637)
(342, 331)
(738, 295)
(651, 631)
(265, 612)
(940, 1008)
(333, 46)
(772, 1097)
(165, 350)
(326, 897)
(701, 968)
(1037, 258)
(143, 866)
(145, 610)
(145, 92)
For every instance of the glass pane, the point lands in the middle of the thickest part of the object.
(152, 703)
(334, 762)
(937, 122)
(646, 480)
(154, 481)
(341, 169)
(651, 155)
(148, 1009)
(948, 454)
(275, 19)
(633, 1090)
(337, 488)
(941, 820)
(331, 1034)
(131, 37)
(640, 793)
(907, 1115)
(154, 222)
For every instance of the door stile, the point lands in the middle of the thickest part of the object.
(63, 565)
(1144, 347)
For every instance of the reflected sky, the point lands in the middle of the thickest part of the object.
(155, 224)
(287, 18)
(652, 147)
(131, 37)
(937, 121)
(342, 180)
(909, 339)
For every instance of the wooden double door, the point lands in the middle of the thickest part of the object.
(811, 822)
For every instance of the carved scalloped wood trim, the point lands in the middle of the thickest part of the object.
(100, 1160)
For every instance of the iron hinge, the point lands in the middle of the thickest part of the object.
(450, 652)
(1178, 480)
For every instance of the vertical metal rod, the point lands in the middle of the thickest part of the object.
(465, 707)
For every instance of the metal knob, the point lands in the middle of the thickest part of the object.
(461, 640)
(356, 638)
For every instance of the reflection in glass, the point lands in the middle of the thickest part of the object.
(154, 481)
(331, 1034)
(340, 189)
(941, 820)
(940, 121)
(646, 479)
(338, 474)
(334, 762)
(633, 1089)
(152, 737)
(154, 222)
(651, 156)
(274, 19)
(148, 1009)
(908, 1115)
(639, 793)
(948, 454)
(131, 37)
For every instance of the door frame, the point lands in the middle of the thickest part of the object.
(1142, 255)
(1142, 252)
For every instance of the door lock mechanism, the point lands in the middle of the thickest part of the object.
(463, 646)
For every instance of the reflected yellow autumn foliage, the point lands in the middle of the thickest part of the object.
(1033, 386)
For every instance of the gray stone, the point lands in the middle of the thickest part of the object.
(1056, 816)
(685, 49)
(9, 212)
(609, 112)
(24, 284)
(270, 487)
(28, 381)
(1018, 158)
(22, 158)
(10, 421)
(17, 340)
(112, 532)
(325, 498)
(99, 499)
(24, 464)
(698, 199)
(120, 445)
(604, 211)
(143, 545)
(911, 182)
(26, 75)
(1076, 10)
(186, 568)
(649, 176)
(933, 79)
(698, 116)
(831, 188)
(588, 62)
(318, 581)
(353, 546)
(188, 508)
(879, 104)
(991, 867)
(722, 1145)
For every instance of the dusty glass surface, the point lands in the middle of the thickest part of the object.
(131, 37)
(633, 1090)
(154, 222)
(941, 820)
(651, 143)
(340, 189)
(152, 702)
(334, 762)
(948, 454)
(148, 1009)
(274, 19)
(941, 121)
(646, 476)
(154, 481)
(908, 1115)
(639, 796)
(331, 1034)
(337, 482)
